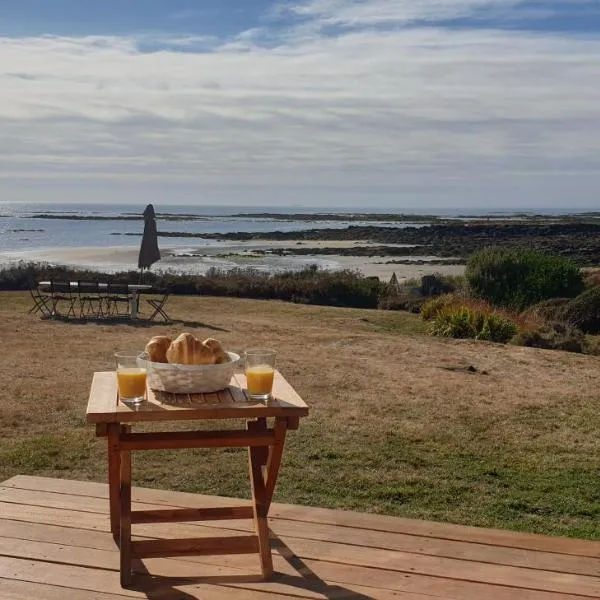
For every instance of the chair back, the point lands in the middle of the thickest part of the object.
(60, 287)
(88, 287)
(118, 288)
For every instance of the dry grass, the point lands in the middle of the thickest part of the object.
(399, 423)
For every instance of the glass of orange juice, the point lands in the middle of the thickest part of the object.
(131, 378)
(260, 371)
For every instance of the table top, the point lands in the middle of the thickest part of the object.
(134, 287)
(232, 402)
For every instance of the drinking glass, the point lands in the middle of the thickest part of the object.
(260, 371)
(131, 378)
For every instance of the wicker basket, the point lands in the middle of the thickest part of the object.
(190, 379)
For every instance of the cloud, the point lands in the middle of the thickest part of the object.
(444, 115)
(355, 13)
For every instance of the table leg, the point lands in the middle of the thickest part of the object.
(274, 458)
(260, 508)
(264, 463)
(134, 304)
(114, 477)
(125, 516)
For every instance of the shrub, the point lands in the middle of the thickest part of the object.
(517, 278)
(592, 345)
(584, 311)
(552, 310)
(412, 294)
(431, 308)
(454, 302)
(592, 277)
(310, 286)
(555, 336)
(466, 323)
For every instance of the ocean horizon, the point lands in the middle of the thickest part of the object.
(33, 233)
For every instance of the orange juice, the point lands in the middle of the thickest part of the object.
(260, 380)
(132, 382)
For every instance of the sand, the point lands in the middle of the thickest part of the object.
(197, 256)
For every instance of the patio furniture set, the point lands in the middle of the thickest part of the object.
(96, 300)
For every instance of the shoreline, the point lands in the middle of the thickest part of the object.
(260, 254)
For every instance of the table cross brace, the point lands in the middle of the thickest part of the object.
(265, 450)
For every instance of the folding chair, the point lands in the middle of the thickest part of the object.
(90, 299)
(61, 291)
(157, 305)
(41, 302)
(118, 295)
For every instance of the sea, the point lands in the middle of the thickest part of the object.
(111, 245)
(26, 234)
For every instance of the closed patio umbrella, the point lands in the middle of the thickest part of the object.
(149, 252)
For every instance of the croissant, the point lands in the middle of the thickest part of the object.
(157, 348)
(188, 350)
(220, 355)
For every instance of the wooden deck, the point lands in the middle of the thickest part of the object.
(55, 544)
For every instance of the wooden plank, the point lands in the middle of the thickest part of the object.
(103, 405)
(191, 514)
(195, 439)
(216, 585)
(302, 515)
(242, 544)
(406, 563)
(25, 590)
(102, 402)
(99, 580)
(291, 566)
(101, 429)
(317, 532)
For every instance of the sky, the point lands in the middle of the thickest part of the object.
(400, 104)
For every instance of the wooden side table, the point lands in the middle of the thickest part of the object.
(265, 443)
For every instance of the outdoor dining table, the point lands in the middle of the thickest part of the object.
(133, 289)
(263, 438)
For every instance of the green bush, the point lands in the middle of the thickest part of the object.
(517, 278)
(555, 336)
(464, 323)
(310, 286)
(584, 311)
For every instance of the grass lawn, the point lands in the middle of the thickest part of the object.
(399, 424)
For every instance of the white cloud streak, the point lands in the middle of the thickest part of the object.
(422, 113)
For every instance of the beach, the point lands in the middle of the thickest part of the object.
(258, 254)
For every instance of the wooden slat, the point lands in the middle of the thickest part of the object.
(295, 572)
(325, 516)
(408, 563)
(242, 544)
(191, 514)
(99, 580)
(183, 583)
(102, 403)
(213, 406)
(365, 538)
(194, 439)
(11, 589)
